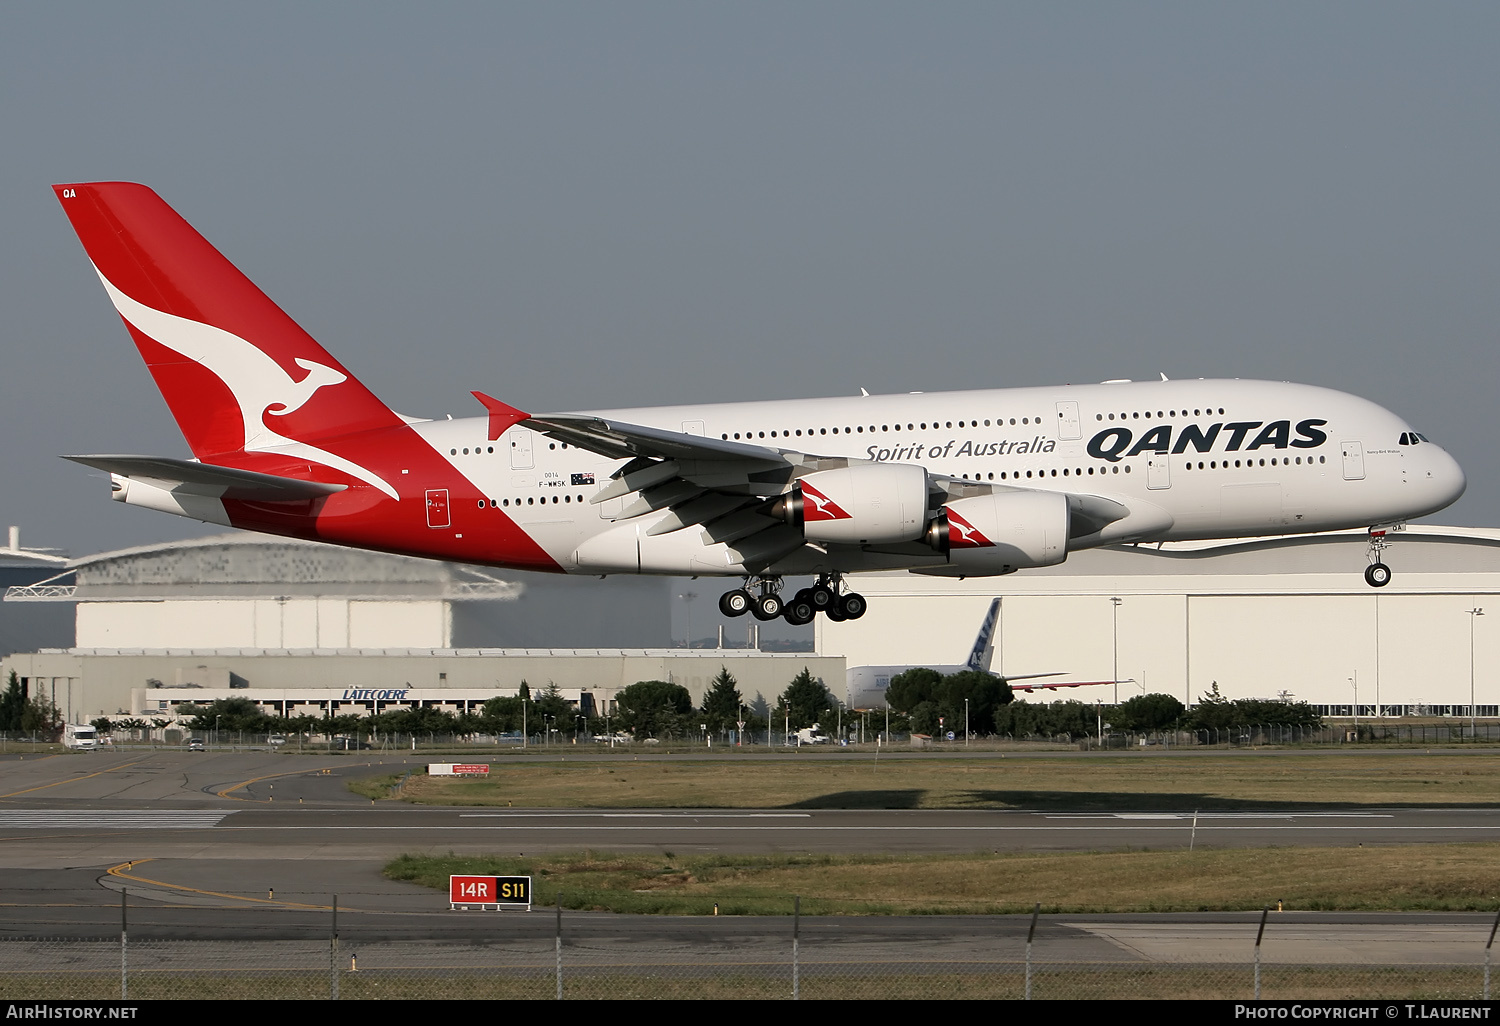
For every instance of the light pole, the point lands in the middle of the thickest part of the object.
(1474, 615)
(687, 599)
(1354, 682)
(966, 723)
(1115, 604)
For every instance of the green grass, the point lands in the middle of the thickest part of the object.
(1104, 783)
(1438, 877)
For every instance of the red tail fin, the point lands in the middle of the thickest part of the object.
(237, 372)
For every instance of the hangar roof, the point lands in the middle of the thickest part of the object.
(257, 566)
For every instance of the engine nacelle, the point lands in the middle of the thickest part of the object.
(1002, 531)
(866, 504)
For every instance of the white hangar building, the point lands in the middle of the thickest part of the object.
(302, 627)
(1262, 618)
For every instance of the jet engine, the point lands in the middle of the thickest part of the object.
(866, 504)
(1002, 531)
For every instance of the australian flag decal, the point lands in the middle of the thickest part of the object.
(583, 479)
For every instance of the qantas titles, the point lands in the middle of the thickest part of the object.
(1114, 444)
(1111, 443)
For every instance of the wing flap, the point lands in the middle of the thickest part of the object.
(619, 440)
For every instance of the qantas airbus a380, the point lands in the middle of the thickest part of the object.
(287, 441)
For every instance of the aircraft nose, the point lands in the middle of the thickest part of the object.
(1445, 478)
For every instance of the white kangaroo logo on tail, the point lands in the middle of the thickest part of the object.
(258, 383)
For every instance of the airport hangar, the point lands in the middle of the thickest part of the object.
(1263, 618)
(304, 627)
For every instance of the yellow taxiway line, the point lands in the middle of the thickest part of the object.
(120, 871)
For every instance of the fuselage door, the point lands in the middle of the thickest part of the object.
(520, 449)
(693, 427)
(1068, 424)
(437, 508)
(1158, 474)
(1354, 461)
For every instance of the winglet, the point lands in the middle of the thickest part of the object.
(501, 415)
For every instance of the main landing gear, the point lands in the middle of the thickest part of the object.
(1377, 574)
(764, 602)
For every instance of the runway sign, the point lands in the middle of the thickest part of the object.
(458, 769)
(489, 892)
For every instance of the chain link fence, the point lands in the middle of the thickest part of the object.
(589, 957)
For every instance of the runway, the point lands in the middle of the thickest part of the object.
(258, 844)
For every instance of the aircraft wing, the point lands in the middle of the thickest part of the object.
(725, 487)
(1051, 687)
(722, 487)
(207, 479)
(619, 440)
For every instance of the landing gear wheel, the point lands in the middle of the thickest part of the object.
(853, 606)
(735, 603)
(821, 596)
(832, 612)
(767, 606)
(1377, 575)
(799, 611)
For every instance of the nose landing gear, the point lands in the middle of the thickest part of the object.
(1377, 574)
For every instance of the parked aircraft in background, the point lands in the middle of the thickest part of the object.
(865, 686)
(286, 440)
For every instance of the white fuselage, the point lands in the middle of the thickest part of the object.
(1189, 459)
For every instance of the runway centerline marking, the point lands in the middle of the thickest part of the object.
(1200, 816)
(835, 829)
(635, 815)
(110, 819)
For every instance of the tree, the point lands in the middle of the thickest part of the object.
(12, 703)
(1213, 711)
(911, 688)
(985, 694)
(805, 701)
(40, 716)
(721, 705)
(1148, 712)
(1023, 719)
(225, 714)
(652, 707)
(501, 715)
(552, 703)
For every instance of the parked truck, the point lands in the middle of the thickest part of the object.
(80, 735)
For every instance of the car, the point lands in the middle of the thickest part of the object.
(276, 740)
(195, 745)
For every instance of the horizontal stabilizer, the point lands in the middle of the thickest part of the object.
(208, 479)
